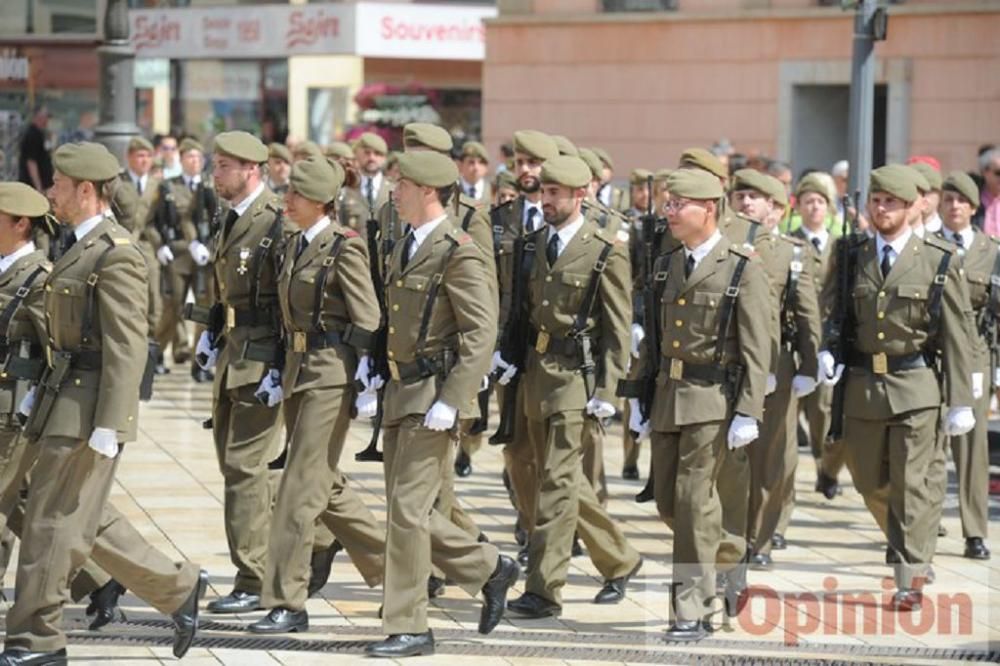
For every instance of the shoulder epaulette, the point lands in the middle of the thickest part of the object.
(468, 202)
(458, 237)
(792, 240)
(939, 243)
(743, 251)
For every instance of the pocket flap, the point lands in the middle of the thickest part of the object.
(917, 292)
(416, 282)
(707, 298)
(574, 280)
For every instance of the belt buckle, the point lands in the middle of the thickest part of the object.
(230, 317)
(676, 368)
(880, 364)
(542, 343)
(394, 371)
(299, 341)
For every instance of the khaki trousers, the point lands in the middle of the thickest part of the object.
(246, 439)
(172, 328)
(416, 533)
(593, 458)
(312, 487)
(733, 487)
(891, 462)
(567, 504)
(630, 447)
(519, 460)
(972, 464)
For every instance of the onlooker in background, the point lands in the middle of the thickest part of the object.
(724, 150)
(977, 178)
(84, 129)
(279, 167)
(473, 167)
(782, 172)
(34, 165)
(840, 172)
(987, 217)
(166, 150)
(506, 162)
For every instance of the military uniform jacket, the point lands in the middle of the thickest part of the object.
(821, 269)
(233, 262)
(347, 298)
(27, 326)
(553, 381)
(892, 319)
(777, 254)
(109, 397)
(509, 221)
(352, 209)
(141, 224)
(689, 327)
(185, 199)
(463, 320)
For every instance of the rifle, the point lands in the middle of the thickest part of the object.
(842, 325)
(513, 343)
(381, 367)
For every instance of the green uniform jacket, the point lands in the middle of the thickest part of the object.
(28, 323)
(109, 397)
(821, 270)
(184, 199)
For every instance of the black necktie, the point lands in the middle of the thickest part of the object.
(886, 266)
(552, 250)
(689, 266)
(68, 240)
(138, 185)
(532, 217)
(407, 247)
(959, 242)
(815, 242)
(231, 218)
(303, 244)
(370, 192)
(472, 191)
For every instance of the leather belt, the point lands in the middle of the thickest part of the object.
(678, 369)
(423, 367)
(545, 343)
(302, 341)
(236, 317)
(882, 364)
(87, 360)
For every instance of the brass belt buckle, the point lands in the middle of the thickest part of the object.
(299, 341)
(676, 368)
(230, 317)
(394, 370)
(880, 364)
(542, 343)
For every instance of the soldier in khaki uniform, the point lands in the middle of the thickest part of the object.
(911, 310)
(474, 167)
(795, 331)
(710, 374)
(981, 265)
(441, 329)
(370, 151)
(245, 356)
(608, 194)
(279, 167)
(84, 408)
(578, 310)
(329, 332)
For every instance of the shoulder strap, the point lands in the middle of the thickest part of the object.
(934, 297)
(90, 309)
(432, 292)
(752, 233)
(497, 228)
(22, 292)
(590, 296)
(727, 307)
(467, 220)
(324, 271)
(792, 287)
(269, 240)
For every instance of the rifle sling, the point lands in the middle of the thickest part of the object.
(11, 309)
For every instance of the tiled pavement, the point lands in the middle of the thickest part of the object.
(169, 485)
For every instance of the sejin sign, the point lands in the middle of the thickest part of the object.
(434, 32)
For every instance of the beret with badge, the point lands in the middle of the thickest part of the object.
(242, 146)
(428, 169)
(896, 180)
(537, 144)
(139, 143)
(605, 158)
(305, 149)
(567, 171)
(19, 200)
(930, 174)
(339, 149)
(812, 183)
(639, 176)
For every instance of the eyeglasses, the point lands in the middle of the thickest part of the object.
(678, 204)
(167, 148)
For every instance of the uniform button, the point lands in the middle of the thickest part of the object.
(391, 354)
(399, 283)
(48, 287)
(3, 375)
(881, 335)
(681, 301)
(545, 304)
(76, 381)
(676, 344)
(392, 330)
(395, 307)
(548, 278)
(678, 323)
(65, 291)
(222, 261)
(881, 294)
(543, 327)
(131, 418)
(881, 315)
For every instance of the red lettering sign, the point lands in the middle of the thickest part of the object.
(306, 30)
(150, 33)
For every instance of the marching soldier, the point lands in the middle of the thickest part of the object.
(795, 332)
(441, 329)
(565, 146)
(909, 309)
(474, 166)
(981, 264)
(504, 188)
(579, 312)
(329, 313)
(242, 346)
(279, 166)
(84, 408)
(370, 151)
(608, 194)
(710, 366)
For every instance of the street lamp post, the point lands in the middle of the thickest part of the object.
(869, 27)
(116, 59)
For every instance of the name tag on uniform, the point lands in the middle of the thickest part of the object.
(676, 368)
(299, 341)
(880, 364)
(542, 343)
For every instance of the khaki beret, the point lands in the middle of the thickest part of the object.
(918, 179)
(392, 159)
(662, 174)
(242, 146)
(19, 200)
(770, 186)
(279, 151)
(305, 149)
(566, 170)
(139, 143)
(930, 174)
(475, 149)
(86, 161)
(591, 159)
(639, 176)
(962, 183)
(813, 183)
(694, 184)
(506, 179)
(428, 168)
(699, 158)
(605, 157)
(776, 190)
(339, 149)
(428, 136)
(315, 179)
(565, 146)
(372, 141)
(894, 179)
(189, 144)
(535, 143)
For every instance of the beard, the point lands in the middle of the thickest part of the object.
(529, 184)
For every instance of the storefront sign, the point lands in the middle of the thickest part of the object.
(13, 67)
(435, 32)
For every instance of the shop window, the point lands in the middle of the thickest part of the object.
(48, 17)
(639, 5)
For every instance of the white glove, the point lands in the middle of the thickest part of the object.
(205, 353)
(104, 441)
(508, 370)
(996, 377)
(637, 337)
(485, 384)
(27, 402)
(959, 421)
(830, 371)
(164, 255)
(977, 385)
(199, 253)
(803, 385)
(440, 417)
(772, 384)
(600, 409)
(366, 404)
(371, 382)
(269, 392)
(742, 431)
(635, 423)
